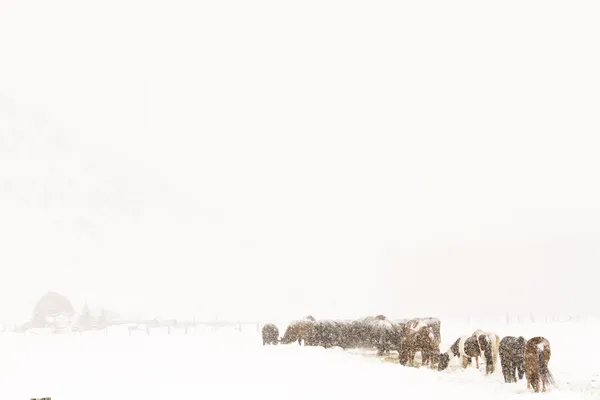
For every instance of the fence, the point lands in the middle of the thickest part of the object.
(186, 328)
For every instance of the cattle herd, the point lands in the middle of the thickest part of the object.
(517, 355)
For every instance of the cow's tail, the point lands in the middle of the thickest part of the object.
(544, 357)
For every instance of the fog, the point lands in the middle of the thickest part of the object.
(270, 159)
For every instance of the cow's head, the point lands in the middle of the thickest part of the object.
(285, 340)
(444, 360)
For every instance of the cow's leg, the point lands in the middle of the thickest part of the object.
(543, 385)
(511, 371)
(520, 370)
(506, 371)
(404, 356)
(427, 360)
(434, 360)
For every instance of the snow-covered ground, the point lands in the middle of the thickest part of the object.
(227, 364)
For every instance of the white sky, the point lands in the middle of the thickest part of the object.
(272, 159)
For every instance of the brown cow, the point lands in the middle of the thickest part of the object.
(537, 355)
(421, 335)
(300, 330)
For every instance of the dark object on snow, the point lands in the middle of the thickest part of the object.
(467, 348)
(270, 334)
(512, 357)
(537, 355)
(301, 330)
(422, 335)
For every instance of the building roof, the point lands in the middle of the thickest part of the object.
(53, 303)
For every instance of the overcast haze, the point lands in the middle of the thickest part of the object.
(275, 159)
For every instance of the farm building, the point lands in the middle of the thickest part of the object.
(53, 310)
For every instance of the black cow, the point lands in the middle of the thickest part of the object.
(512, 357)
(386, 335)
